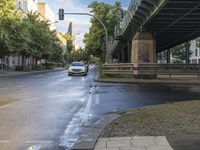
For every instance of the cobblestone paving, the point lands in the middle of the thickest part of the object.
(133, 143)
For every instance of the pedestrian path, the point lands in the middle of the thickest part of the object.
(133, 143)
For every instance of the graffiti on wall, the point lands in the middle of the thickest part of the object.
(144, 56)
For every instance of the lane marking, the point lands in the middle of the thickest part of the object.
(5, 106)
(97, 100)
(34, 147)
(4, 141)
(86, 112)
(38, 141)
(31, 99)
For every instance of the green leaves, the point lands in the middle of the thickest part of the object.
(95, 39)
(179, 52)
(8, 10)
(29, 36)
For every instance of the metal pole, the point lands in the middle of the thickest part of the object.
(106, 32)
(168, 56)
(187, 53)
(2, 63)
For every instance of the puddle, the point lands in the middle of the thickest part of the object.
(34, 147)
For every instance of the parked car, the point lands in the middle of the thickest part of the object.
(77, 68)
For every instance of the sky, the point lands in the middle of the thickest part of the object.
(80, 23)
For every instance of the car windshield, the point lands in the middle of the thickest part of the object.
(77, 64)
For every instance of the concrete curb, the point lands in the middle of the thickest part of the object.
(88, 139)
(96, 78)
(146, 81)
(29, 73)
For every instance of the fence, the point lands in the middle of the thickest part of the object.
(151, 69)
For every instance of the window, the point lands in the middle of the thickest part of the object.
(196, 52)
(194, 61)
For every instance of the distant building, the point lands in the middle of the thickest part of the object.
(27, 5)
(63, 41)
(46, 13)
(195, 48)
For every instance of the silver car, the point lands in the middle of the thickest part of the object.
(77, 68)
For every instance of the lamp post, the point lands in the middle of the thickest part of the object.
(61, 12)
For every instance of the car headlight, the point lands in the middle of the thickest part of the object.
(70, 69)
(83, 69)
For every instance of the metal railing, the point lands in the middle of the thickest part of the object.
(151, 69)
(131, 10)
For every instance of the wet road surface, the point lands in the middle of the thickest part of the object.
(50, 110)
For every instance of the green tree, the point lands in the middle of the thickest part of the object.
(27, 36)
(79, 55)
(8, 18)
(8, 10)
(95, 39)
(179, 52)
(44, 43)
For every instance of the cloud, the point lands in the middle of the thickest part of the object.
(73, 5)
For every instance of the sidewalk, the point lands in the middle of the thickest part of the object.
(133, 143)
(16, 73)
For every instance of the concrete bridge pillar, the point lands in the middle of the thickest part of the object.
(143, 51)
(143, 48)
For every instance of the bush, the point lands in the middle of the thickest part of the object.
(51, 65)
(22, 68)
(38, 67)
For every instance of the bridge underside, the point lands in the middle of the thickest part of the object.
(176, 22)
(172, 22)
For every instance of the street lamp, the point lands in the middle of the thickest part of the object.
(61, 17)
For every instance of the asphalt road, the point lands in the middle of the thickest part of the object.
(49, 110)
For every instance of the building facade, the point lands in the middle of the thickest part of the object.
(27, 5)
(46, 13)
(195, 49)
(63, 41)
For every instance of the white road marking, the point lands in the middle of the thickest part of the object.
(97, 100)
(34, 147)
(38, 141)
(85, 116)
(31, 99)
(4, 141)
(4, 106)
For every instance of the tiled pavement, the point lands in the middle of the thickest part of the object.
(133, 143)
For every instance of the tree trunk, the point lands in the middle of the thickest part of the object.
(46, 63)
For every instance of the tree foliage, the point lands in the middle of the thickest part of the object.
(8, 19)
(179, 52)
(95, 39)
(8, 10)
(27, 36)
(79, 55)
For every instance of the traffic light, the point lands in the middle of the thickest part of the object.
(61, 14)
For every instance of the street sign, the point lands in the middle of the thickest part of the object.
(61, 14)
